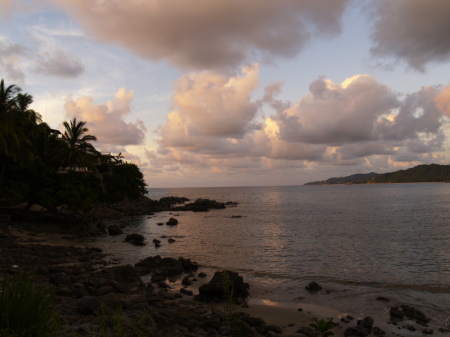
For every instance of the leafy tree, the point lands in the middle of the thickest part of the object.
(125, 181)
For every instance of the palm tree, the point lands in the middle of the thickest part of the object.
(7, 96)
(80, 154)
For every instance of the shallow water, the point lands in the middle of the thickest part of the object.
(357, 241)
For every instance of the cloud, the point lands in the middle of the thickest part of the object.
(213, 34)
(58, 63)
(208, 109)
(11, 55)
(359, 123)
(334, 114)
(415, 31)
(107, 121)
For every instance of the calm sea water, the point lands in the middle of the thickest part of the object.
(357, 241)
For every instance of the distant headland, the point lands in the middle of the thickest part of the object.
(432, 173)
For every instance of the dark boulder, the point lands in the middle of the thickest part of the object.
(114, 230)
(397, 313)
(173, 200)
(186, 292)
(214, 290)
(313, 287)
(60, 279)
(187, 264)
(88, 305)
(136, 239)
(307, 331)
(366, 322)
(172, 222)
(357, 331)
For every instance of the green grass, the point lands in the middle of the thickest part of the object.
(26, 309)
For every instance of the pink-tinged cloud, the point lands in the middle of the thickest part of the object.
(358, 123)
(414, 31)
(209, 34)
(107, 121)
(208, 108)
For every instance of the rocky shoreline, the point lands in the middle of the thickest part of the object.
(91, 290)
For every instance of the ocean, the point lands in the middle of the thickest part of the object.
(358, 242)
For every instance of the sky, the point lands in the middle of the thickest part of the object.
(211, 93)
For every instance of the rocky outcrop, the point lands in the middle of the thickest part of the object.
(313, 287)
(135, 239)
(173, 200)
(114, 230)
(399, 312)
(161, 268)
(201, 205)
(215, 291)
(172, 222)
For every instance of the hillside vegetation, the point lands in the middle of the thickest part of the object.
(432, 173)
(418, 174)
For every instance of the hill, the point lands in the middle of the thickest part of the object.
(419, 174)
(432, 173)
(359, 178)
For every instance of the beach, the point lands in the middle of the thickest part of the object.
(68, 262)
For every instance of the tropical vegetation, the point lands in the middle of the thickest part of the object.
(40, 165)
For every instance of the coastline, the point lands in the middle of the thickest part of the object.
(72, 252)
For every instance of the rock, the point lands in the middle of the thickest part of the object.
(201, 274)
(214, 290)
(114, 230)
(36, 208)
(307, 331)
(313, 287)
(88, 305)
(201, 205)
(171, 241)
(104, 290)
(366, 322)
(60, 279)
(157, 245)
(173, 200)
(172, 222)
(358, 331)
(378, 332)
(156, 241)
(236, 216)
(396, 313)
(64, 291)
(134, 237)
(410, 312)
(186, 292)
(255, 322)
(266, 328)
(384, 299)
(427, 331)
(244, 329)
(187, 264)
(160, 224)
(186, 281)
